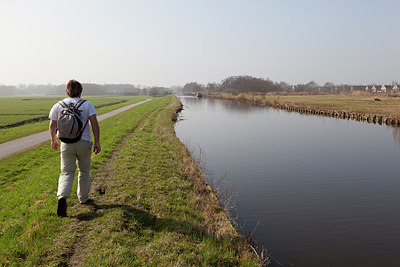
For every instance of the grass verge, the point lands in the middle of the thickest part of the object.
(152, 205)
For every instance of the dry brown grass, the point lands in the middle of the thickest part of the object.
(215, 199)
(396, 109)
(219, 224)
(244, 97)
(226, 95)
(216, 204)
(360, 93)
(276, 99)
(362, 103)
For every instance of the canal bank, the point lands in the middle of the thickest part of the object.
(309, 188)
(382, 110)
(151, 206)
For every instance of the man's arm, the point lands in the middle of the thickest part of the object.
(53, 137)
(96, 133)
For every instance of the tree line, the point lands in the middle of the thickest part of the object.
(249, 84)
(88, 89)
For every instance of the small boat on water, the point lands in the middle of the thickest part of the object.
(199, 95)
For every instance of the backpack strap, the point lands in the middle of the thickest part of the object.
(80, 102)
(83, 128)
(62, 103)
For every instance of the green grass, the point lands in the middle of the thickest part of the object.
(13, 105)
(6, 119)
(26, 105)
(29, 186)
(156, 209)
(42, 105)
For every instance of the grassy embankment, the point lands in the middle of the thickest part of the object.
(355, 106)
(151, 203)
(17, 109)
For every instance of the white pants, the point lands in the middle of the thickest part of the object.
(71, 155)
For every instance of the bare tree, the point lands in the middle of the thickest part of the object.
(154, 91)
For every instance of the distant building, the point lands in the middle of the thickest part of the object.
(132, 91)
(339, 89)
(344, 88)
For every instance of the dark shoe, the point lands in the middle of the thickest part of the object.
(62, 207)
(87, 202)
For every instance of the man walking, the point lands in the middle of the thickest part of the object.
(77, 150)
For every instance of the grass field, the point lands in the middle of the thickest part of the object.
(151, 204)
(16, 109)
(357, 103)
(349, 103)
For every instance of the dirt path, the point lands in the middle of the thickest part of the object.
(83, 221)
(18, 145)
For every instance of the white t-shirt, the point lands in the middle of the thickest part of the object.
(87, 109)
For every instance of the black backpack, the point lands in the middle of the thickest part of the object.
(69, 122)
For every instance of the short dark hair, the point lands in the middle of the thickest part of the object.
(74, 88)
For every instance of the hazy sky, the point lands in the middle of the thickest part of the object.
(173, 42)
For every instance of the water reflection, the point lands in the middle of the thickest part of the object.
(396, 135)
(325, 191)
(212, 106)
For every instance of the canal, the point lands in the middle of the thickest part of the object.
(315, 191)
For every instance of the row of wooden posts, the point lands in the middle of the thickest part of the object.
(344, 115)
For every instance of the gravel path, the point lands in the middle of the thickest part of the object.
(27, 142)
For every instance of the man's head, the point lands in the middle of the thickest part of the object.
(74, 88)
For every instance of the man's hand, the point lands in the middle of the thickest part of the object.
(96, 133)
(55, 144)
(96, 148)
(53, 137)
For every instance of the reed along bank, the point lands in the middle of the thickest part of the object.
(378, 109)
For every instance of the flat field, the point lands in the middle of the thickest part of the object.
(18, 109)
(386, 105)
(151, 204)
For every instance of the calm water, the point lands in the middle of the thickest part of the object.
(323, 191)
